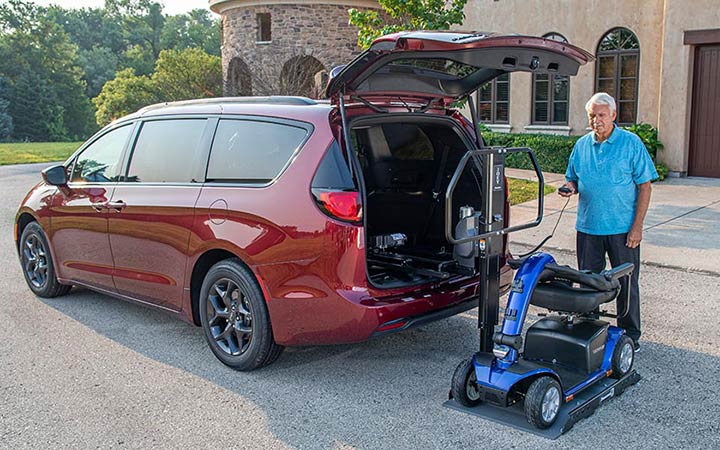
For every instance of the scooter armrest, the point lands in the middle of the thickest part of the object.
(620, 271)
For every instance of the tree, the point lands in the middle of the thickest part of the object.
(41, 64)
(179, 75)
(6, 123)
(400, 15)
(196, 29)
(123, 95)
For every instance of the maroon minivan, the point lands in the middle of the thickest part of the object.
(285, 221)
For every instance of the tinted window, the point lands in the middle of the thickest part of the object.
(252, 152)
(100, 162)
(166, 150)
(333, 172)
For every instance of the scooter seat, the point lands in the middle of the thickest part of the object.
(564, 289)
(563, 297)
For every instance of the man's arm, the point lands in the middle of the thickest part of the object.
(643, 202)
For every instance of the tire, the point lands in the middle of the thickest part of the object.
(464, 384)
(623, 357)
(235, 319)
(542, 402)
(37, 263)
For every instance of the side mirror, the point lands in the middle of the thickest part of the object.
(55, 175)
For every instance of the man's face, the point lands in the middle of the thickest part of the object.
(601, 119)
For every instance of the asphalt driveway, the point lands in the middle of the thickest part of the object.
(89, 371)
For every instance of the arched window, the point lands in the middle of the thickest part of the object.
(494, 100)
(550, 95)
(617, 69)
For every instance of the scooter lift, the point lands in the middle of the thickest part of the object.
(481, 237)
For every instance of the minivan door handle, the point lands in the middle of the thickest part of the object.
(116, 206)
(99, 206)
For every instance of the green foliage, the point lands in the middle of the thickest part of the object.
(123, 95)
(55, 59)
(552, 152)
(6, 123)
(401, 15)
(179, 75)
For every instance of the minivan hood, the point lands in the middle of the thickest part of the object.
(448, 64)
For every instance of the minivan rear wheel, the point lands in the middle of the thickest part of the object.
(235, 318)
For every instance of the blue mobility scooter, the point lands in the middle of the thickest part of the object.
(564, 356)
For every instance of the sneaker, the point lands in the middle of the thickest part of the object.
(637, 347)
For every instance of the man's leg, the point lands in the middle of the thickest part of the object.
(620, 253)
(590, 252)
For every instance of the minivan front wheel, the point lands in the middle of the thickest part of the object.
(37, 263)
(235, 318)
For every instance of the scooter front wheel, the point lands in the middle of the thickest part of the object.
(542, 402)
(464, 387)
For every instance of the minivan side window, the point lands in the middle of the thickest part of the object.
(100, 161)
(249, 151)
(166, 150)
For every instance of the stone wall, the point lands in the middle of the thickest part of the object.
(318, 31)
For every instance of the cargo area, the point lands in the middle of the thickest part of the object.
(407, 164)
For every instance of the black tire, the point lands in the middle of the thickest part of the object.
(464, 384)
(235, 319)
(37, 263)
(623, 357)
(542, 402)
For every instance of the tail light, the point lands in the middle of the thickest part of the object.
(341, 205)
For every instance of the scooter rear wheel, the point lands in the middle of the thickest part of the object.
(542, 402)
(623, 357)
(464, 384)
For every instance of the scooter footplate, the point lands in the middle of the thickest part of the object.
(583, 405)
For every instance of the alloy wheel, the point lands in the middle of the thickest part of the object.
(35, 261)
(229, 317)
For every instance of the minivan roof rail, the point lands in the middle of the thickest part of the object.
(274, 99)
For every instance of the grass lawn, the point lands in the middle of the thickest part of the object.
(35, 152)
(522, 191)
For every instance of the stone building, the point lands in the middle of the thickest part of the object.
(659, 58)
(284, 46)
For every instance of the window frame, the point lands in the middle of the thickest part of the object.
(308, 127)
(72, 160)
(551, 93)
(201, 154)
(493, 102)
(617, 76)
(259, 20)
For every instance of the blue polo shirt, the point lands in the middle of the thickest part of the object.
(607, 175)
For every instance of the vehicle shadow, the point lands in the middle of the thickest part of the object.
(388, 393)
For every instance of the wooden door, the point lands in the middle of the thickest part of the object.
(704, 158)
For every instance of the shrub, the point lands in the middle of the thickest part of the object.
(552, 152)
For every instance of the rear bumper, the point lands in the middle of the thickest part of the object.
(342, 316)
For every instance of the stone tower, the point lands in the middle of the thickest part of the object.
(284, 47)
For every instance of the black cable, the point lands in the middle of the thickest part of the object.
(547, 238)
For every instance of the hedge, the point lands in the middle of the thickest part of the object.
(552, 152)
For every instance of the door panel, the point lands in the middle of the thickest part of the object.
(704, 160)
(149, 237)
(79, 238)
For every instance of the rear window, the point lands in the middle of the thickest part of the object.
(166, 150)
(249, 151)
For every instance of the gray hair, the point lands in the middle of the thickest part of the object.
(601, 98)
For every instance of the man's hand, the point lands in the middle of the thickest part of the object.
(634, 237)
(571, 186)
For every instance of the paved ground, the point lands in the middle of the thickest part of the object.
(89, 371)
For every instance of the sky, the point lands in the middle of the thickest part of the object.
(172, 7)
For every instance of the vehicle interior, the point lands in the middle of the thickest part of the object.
(407, 164)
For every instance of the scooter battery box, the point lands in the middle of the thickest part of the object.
(580, 345)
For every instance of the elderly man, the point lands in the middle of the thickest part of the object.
(611, 170)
